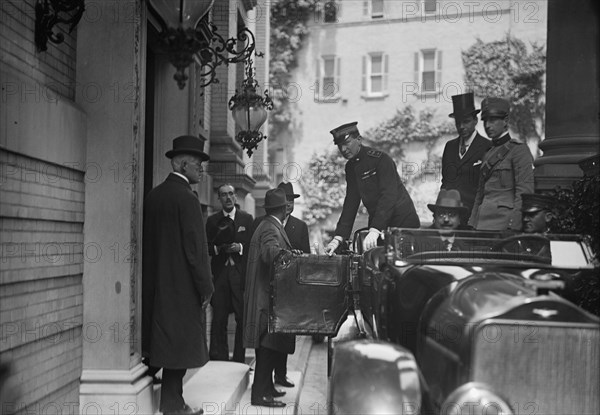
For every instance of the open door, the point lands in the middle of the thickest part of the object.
(309, 294)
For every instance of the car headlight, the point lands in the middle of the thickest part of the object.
(475, 398)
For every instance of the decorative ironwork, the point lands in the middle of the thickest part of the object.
(250, 111)
(49, 13)
(207, 47)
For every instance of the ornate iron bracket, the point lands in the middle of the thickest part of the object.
(49, 13)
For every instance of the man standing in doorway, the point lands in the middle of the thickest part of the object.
(228, 232)
(177, 283)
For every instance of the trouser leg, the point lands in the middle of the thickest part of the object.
(218, 331)
(237, 303)
(171, 394)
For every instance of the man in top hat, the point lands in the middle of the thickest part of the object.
(228, 231)
(177, 284)
(506, 173)
(269, 239)
(537, 212)
(297, 232)
(462, 156)
(371, 177)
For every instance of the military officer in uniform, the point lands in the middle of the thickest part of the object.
(506, 173)
(371, 177)
(537, 212)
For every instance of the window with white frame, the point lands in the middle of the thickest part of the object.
(328, 78)
(373, 8)
(428, 70)
(375, 74)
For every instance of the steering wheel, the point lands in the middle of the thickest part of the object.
(537, 245)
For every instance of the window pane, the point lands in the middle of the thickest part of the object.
(330, 9)
(429, 81)
(329, 87)
(376, 64)
(377, 83)
(430, 5)
(329, 66)
(429, 61)
(377, 7)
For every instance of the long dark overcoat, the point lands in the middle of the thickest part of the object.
(176, 277)
(268, 240)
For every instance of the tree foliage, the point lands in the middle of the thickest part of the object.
(505, 68)
(288, 29)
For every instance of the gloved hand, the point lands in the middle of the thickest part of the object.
(333, 245)
(370, 240)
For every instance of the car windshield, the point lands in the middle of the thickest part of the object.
(427, 246)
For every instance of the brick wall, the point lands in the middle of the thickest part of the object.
(42, 254)
(54, 68)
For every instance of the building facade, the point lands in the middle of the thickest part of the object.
(84, 127)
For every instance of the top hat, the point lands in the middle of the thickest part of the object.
(494, 107)
(275, 198)
(463, 105)
(448, 200)
(288, 188)
(225, 231)
(188, 144)
(344, 132)
(534, 202)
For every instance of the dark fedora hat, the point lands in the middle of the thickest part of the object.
(275, 198)
(448, 200)
(463, 105)
(288, 188)
(494, 107)
(188, 144)
(344, 132)
(225, 231)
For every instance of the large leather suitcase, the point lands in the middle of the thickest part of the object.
(308, 294)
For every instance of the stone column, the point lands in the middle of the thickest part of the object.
(110, 75)
(572, 92)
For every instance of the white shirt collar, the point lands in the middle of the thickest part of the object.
(277, 219)
(181, 175)
(230, 214)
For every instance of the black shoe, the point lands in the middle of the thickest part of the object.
(276, 393)
(267, 401)
(186, 410)
(285, 382)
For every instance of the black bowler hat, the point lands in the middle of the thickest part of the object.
(534, 202)
(188, 144)
(344, 132)
(463, 105)
(275, 198)
(494, 107)
(288, 188)
(225, 231)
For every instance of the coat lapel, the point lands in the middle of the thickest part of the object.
(281, 230)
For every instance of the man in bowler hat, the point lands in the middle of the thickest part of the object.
(371, 177)
(506, 173)
(228, 231)
(268, 241)
(297, 232)
(462, 156)
(177, 284)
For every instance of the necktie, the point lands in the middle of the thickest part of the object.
(463, 148)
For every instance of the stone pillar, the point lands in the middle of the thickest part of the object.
(110, 75)
(572, 92)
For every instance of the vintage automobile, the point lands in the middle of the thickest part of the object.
(492, 324)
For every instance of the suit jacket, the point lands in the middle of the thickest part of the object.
(463, 174)
(371, 177)
(296, 231)
(269, 239)
(498, 201)
(176, 277)
(243, 233)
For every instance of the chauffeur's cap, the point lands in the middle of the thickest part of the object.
(344, 132)
(494, 107)
(534, 202)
